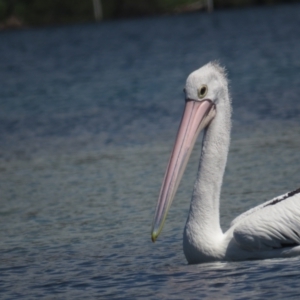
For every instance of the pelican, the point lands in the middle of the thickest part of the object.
(269, 230)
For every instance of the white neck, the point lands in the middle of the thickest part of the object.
(202, 231)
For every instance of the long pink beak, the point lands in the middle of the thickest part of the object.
(197, 115)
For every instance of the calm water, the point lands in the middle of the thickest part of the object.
(88, 116)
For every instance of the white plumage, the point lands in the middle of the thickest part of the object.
(269, 230)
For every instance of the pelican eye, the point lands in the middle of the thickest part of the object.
(202, 91)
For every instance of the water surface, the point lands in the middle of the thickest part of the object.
(88, 116)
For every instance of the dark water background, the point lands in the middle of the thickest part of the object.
(88, 116)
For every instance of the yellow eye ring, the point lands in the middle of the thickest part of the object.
(202, 91)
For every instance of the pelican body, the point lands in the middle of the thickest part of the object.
(269, 230)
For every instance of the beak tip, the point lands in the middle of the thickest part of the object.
(153, 237)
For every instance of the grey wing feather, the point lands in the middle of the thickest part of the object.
(270, 226)
(260, 206)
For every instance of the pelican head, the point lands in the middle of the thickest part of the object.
(203, 90)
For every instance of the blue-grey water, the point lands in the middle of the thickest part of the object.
(88, 116)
